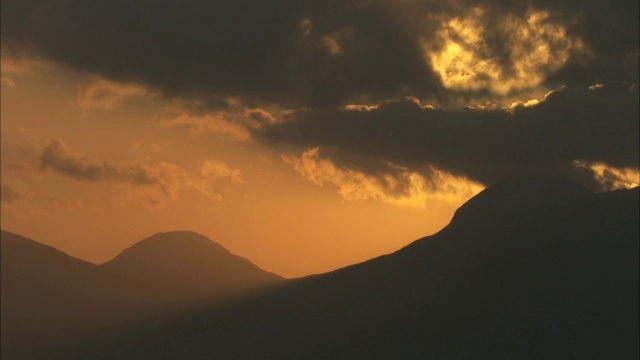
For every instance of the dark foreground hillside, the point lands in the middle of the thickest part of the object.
(528, 269)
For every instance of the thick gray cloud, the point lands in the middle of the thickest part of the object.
(298, 53)
(276, 51)
(598, 125)
(321, 55)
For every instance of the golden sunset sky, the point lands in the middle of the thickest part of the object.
(302, 136)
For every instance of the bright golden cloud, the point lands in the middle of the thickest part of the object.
(406, 188)
(610, 177)
(536, 46)
(361, 107)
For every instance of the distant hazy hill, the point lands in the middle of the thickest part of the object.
(188, 264)
(47, 294)
(529, 269)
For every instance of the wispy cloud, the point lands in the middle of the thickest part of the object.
(610, 177)
(11, 193)
(9, 82)
(105, 95)
(57, 157)
(151, 184)
(19, 63)
(17, 199)
(235, 120)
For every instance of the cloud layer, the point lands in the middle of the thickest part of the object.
(578, 124)
(294, 72)
(310, 53)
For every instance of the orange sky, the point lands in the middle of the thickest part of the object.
(251, 201)
(304, 136)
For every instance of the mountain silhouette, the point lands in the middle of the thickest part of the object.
(188, 264)
(47, 294)
(516, 197)
(39, 279)
(538, 268)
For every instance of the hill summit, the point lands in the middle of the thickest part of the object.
(519, 196)
(187, 261)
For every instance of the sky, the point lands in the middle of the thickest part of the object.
(303, 135)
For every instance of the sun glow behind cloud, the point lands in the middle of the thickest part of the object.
(466, 60)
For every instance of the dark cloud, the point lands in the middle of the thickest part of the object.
(58, 158)
(598, 125)
(320, 55)
(294, 52)
(270, 51)
(611, 31)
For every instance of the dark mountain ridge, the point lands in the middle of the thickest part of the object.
(516, 197)
(552, 273)
(45, 291)
(47, 294)
(529, 269)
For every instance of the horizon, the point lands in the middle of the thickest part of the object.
(154, 235)
(304, 137)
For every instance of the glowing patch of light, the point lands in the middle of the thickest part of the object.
(354, 185)
(363, 107)
(610, 177)
(464, 59)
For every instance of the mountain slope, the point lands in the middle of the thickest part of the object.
(188, 264)
(47, 292)
(30, 269)
(555, 275)
(39, 280)
(53, 303)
